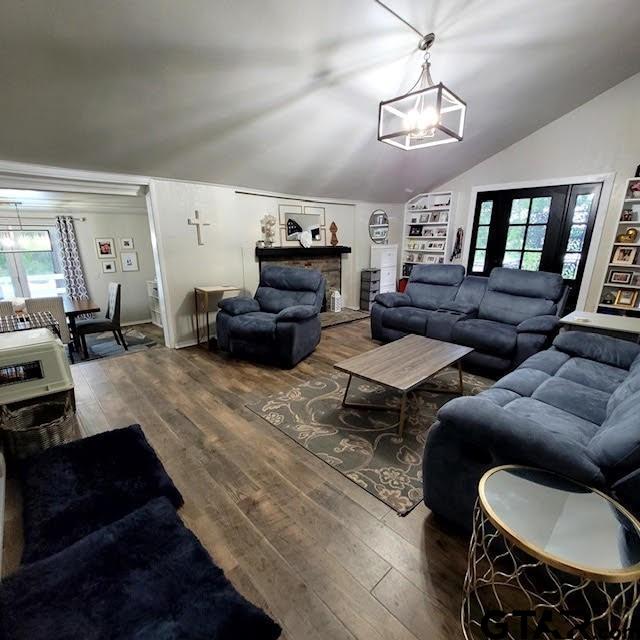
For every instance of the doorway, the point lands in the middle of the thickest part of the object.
(536, 229)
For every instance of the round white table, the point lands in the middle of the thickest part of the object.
(548, 557)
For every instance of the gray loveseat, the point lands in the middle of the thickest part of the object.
(572, 409)
(506, 317)
(280, 324)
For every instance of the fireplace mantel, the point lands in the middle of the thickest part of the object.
(263, 253)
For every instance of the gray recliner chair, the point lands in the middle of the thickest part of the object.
(280, 324)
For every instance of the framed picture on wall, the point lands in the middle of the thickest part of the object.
(624, 255)
(108, 266)
(126, 243)
(626, 297)
(105, 248)
(129, 261)
(620, 277)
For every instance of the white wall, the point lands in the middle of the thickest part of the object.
(134, 306)
(601, 136)
(227, 257)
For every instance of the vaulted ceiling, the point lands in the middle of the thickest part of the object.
(282, 95)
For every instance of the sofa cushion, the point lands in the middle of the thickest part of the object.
(524, 382)
(275, 300)
(554, 421)
(627, 388)
(499, 396)
(616, 446)
(513, 295)
(257, 325)
(598, 347)
(548, 361)
(485, 335)
(432, 285)
(584, 402)
(592, 374)
(408, 319)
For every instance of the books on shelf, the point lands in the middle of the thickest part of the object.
(427, 224)
(621, 285)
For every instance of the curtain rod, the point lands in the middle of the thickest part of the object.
(266, 195)
(39, 218)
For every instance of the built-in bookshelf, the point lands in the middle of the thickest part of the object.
(427, 230)
(621, 288)
(154, 302)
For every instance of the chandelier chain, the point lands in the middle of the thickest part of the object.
(399, 17)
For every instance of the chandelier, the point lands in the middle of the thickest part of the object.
(427, 115)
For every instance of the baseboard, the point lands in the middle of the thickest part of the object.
(131, 323)
(185, 344)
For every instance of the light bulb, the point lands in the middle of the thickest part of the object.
(420, 123)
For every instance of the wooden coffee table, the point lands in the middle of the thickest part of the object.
(403, 365)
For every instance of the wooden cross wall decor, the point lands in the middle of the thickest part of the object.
(198, 224)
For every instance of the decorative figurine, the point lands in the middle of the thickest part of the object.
(268, 224)
(334, 230)
(630, 236)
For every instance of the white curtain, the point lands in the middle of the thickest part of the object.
(70, 257)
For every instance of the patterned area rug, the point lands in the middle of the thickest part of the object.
(331, 319)
(363, 445)
(104, 345)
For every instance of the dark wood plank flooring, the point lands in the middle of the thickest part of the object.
(322, 556)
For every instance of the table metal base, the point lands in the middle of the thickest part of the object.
(553, 604)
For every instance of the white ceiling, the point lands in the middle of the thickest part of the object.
(282, 95)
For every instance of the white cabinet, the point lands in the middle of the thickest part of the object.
(385, 258)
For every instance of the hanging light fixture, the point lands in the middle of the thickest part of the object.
(428, 115)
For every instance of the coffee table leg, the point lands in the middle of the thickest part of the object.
(403, 413)
(346, 392)
(460, 378)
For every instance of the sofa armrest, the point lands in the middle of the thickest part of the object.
(393, 300)
(465, 308)
(238, 306)
(539, 324)
(297, 312)
(516, 439)
(598, 347)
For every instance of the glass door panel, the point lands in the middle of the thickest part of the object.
(543, 228)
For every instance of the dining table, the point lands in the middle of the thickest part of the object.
(73, 309)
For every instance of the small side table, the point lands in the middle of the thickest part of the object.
(567, 555)
(201, 303)
(602, 323)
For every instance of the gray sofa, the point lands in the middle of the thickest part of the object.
(280, 324)
(572, 409)
(506, 317)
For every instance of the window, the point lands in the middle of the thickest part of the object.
(526, 232)
(33, 269)
(535, 229)
(482, 236)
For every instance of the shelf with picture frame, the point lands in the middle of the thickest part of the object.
(427, 224)
(620, 292)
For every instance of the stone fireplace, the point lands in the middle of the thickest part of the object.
(326, 260)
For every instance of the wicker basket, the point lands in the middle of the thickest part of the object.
(30, 428)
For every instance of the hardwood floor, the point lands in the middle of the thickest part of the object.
(322, 556)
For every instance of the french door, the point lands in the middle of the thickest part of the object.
(538, 229)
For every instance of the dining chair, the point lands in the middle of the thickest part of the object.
(55, 306)
(110, 322)
(6, 308)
